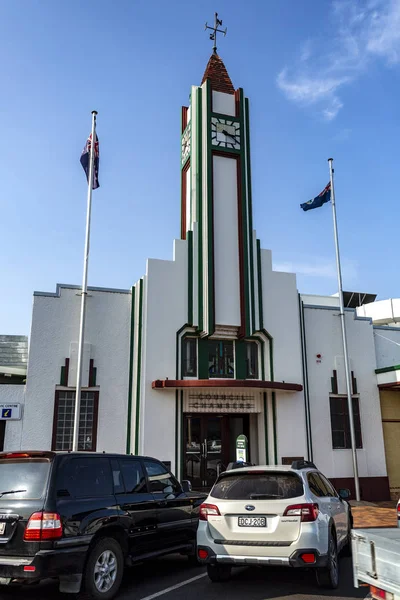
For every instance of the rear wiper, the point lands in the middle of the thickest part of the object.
(264, 496)
(11, 492)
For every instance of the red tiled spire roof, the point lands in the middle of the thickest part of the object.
(218, 75)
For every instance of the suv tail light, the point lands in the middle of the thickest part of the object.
(208, 509)
(306, 512)
(43, 526)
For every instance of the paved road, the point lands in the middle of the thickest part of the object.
(151, 580)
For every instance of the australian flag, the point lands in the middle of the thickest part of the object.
(319, 200)
(85, 159)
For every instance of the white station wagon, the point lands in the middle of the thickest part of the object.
(274, 516)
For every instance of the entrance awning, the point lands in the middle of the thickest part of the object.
(254, 384)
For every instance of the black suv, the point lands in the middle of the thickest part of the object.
(80, 517)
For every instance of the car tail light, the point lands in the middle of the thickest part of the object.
(378, 593)
(308, 558)
(306, 512)
(203, 554)
(28, 569)
(43, 526)
(207, 510)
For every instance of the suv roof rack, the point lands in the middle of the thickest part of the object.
(303, 464)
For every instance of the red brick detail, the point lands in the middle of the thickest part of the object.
(185, 110)
(218, 76)
(162, 384)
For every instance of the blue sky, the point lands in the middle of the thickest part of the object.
(323, 80)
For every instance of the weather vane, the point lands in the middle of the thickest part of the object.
(215, 30)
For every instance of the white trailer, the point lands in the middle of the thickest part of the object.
(376, 561)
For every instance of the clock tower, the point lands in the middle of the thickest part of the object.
(216, 217)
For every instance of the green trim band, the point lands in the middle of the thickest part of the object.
(245, 230)
(139, 366)
(190, 276)
(176, 433)
(274, 428)
(305, 381)
(387, 369)
(199, 190)
(260, 287)
(210, 219)
(182, 441)
(250, 215)
(130, 385)
(266, 428)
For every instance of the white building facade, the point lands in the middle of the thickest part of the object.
(211, 344)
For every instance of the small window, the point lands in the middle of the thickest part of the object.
(251, 360)
(258, 486)
(340, 423)
(134, 479)
(221, 362)
(64, 412)
(160, 479)
(330, 489)
(85, 477)
(189, 357)
(315, 485)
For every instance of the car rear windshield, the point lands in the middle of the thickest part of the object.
(262, 486)
(23, 478)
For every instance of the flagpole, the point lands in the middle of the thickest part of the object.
(344, 339)
(75, 439)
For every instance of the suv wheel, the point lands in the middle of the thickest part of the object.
(219, 573)
(104, 570)
(328, 576)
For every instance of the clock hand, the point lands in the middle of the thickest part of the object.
(232, 135)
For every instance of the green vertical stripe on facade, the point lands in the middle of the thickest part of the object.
(190, 277)
(305, 381)
(130, 383)
(250, 213)
(199, 188)
(182, 440)
(274, 427)
(260, 289)
(210, 218)
(245, 228)
(240, 359)
(176, 432)
(139, 367)
(266, 428)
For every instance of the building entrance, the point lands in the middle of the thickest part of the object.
(210, 445)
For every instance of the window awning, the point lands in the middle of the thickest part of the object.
(255, 384)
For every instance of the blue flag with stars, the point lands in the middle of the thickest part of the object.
(319, 200)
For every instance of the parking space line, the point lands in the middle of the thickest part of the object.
(174, 587)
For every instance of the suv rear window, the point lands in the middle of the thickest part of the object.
(28, 474)
(258, 486)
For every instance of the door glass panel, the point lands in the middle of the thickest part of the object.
(192, 448)
(213, 441)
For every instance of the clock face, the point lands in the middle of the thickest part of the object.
(225, 133)
(185, 149)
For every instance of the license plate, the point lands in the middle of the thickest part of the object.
(5, 580)
(2, 528)
(252, 521)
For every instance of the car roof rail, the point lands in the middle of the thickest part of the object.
(303, 464)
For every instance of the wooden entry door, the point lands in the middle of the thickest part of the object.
(209, 445)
